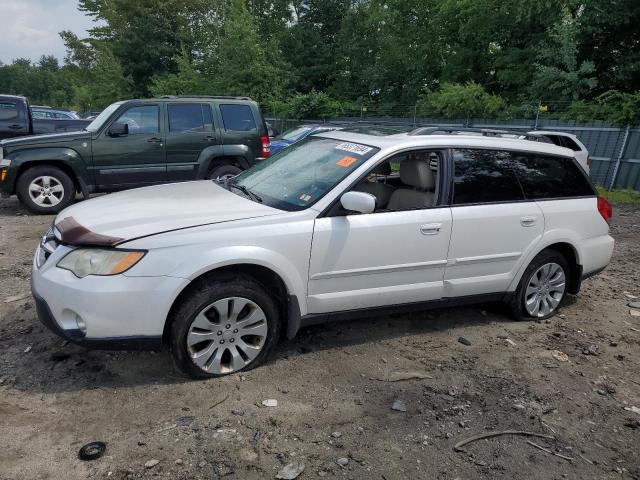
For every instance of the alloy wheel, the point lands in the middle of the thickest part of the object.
(46, 191)
(545, 290)
(227, 335)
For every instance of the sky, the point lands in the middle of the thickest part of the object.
(30, 27)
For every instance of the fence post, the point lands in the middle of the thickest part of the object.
(535, 126)
(415, 111)
(623, 147)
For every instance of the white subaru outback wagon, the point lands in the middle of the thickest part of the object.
(336, 226)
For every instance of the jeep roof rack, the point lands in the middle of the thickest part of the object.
(220, 97)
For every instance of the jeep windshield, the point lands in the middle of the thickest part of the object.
(103, 117)
(299, 176)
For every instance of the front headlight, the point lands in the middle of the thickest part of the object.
(95, 261)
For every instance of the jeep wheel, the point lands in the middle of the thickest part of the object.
(542, 288)
(227, 324)
(45, 189)
(221, 171)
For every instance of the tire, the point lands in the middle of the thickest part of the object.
(221, 343)
(553, 288)
(223, 170)
(57, 190)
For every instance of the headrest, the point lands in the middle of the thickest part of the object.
(417, 173)
(382, 169)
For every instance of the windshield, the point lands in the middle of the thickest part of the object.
(294, 134)
(302, 174)
(97, 123)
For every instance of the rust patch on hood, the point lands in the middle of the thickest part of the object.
(72, 233)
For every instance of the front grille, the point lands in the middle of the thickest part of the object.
(48, 245)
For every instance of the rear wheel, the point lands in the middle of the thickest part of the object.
(543, 287)
(226, 325)
(222, 171)
(45, 189)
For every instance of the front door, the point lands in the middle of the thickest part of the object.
(133, 159)
(190, 131)
(395, 255)
(494, 227)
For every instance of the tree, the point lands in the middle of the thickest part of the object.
(461, 101)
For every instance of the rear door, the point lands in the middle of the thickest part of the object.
(494, 226)
(190, 129)
(135, 159)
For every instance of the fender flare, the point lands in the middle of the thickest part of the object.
(68, 158)
(211, 154)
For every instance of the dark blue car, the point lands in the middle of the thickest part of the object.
(296, 134)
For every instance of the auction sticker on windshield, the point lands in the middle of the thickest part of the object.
(346, 161)
(354, 148)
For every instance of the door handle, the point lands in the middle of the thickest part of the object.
(528, 221)
(15, 127)
(210, 139)
(155, 140)
(430, 228)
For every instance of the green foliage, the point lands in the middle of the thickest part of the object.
(620, 195)
(455, 58)
(461, 101)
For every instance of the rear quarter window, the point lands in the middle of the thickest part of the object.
(237, 118)
(545, 177)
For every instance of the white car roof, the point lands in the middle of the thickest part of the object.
(551, 132)
(403, 141)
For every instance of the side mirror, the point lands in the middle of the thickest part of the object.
(118, 130)
(360, 202)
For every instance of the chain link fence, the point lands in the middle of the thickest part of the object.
(614, 150)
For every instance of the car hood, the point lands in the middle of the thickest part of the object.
(45, 139)
(120, 217)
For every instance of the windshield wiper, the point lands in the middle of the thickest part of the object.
(243, 189)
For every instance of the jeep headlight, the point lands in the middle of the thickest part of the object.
(95, 261)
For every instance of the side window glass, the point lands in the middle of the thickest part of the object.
(484, 176)
(143, 119)
(570, 143)
(186, 117)
(237, 118)
(406, 181)
(8, 111)
(550, 177)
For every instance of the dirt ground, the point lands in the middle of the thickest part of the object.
(335, 386)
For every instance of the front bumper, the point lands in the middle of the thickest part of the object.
(112, 312)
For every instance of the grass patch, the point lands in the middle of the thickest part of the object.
(620, 195)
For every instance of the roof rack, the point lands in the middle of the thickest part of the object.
(487, 132)
(219, 97)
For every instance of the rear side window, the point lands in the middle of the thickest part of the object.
(190, 117)
(484, 176)
(8, 111)
(550, 177)
(237, 118)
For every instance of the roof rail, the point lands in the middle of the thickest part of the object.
(485, 132)
(220, 97)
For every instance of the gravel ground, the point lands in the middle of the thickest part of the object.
(335, 386)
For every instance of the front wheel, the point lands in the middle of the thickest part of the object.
(542, 288)
(45, 189)
(225, 325)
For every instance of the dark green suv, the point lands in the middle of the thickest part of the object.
(135, 143)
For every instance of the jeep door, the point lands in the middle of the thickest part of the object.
(395, 255)
(494, 226)
(136, 158)
(191, 130)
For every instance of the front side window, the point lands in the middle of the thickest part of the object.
(190, 117)
(143, 119)
(237, 118)
(97, 122)
(544, 177)
(406, 181)
(299, 176)
(484, 176)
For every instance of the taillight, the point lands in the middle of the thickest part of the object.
(605, 209)
(588, 161)
(266, 146)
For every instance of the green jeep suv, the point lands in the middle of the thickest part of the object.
(135, 143)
